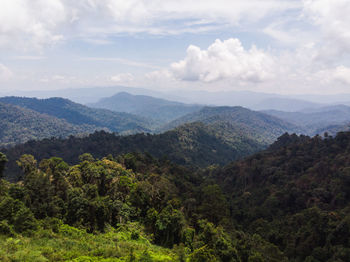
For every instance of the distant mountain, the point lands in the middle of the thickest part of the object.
(78, 114)
(83, 95)
(146, 106)
(314, 120)
(257, 126)
(19, 125)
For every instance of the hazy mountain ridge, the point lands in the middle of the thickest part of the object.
(147, 106)
(314, 120)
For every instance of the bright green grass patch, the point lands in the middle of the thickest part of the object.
(72, 244)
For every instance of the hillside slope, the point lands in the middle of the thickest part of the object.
(79, 114)
(18, 125)
(255, 125)
(194, 144)
(295, 195)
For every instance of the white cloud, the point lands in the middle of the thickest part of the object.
(29, 24)
(342, 74)
(224, 60)
(332, 16)
(5, 73)
(122, 78)
(120, 61)
(28, 57)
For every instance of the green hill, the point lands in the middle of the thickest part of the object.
(295, 195)
(78, 114)
(18, 125)
(257, 126)
(193, 144)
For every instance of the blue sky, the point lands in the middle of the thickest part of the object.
(281, 46)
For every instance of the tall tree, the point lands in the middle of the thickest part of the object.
(3, 161)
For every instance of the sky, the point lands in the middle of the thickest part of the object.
(275, 46)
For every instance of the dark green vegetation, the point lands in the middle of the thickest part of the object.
(193, 145)
(158, 109)
(288, 203)
(295, 195)
(19, 125)
(111, 209)
(317, 120)
(78, 114)
(254, 125)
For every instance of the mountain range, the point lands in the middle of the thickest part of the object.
(315, 120)
(157, 109)
(77, 114)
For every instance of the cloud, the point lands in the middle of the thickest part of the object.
(342, 74)
(122, 78)
(30, 58)
(27, 24)
(5, 73)
(224, 60)
(332, 17)
(120, 61)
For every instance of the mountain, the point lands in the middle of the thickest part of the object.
(296, 195)
(314, 120)
(18, 125)
(78, 114)
(146, 106)
(257, 126)
(83, 95)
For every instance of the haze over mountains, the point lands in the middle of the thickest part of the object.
(250, 99)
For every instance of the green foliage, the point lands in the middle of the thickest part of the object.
(192, 145)
(72, 244)
(294, 195)
(288, 203)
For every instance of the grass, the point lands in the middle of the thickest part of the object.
(128, 243)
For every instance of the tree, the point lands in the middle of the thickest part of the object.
(3, 161)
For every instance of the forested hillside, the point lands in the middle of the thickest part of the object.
(158, 109)
(18, 125)
(112, 209)
(78, 114)
(193, 145)
(294, 195)
(256, 125)
(288, 203)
